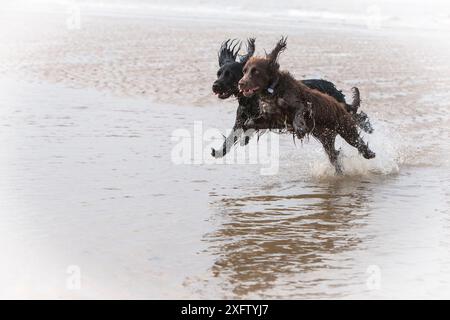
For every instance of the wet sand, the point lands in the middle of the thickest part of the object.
(85, 125)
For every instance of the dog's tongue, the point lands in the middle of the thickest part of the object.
(248, 92)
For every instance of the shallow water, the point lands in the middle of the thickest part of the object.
(87, 124)
(88, 181)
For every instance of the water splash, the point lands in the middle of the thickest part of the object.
(384, 142)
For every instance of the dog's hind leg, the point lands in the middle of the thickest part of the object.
(363, 121)
(350, 134)
(328, 140)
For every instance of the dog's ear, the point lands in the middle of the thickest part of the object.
(275, 53)
(250, 51)
(228, 51)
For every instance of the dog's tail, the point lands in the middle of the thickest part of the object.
(361, 118)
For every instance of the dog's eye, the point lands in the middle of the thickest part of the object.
(245, 70)
(255, 71)
(219, 73)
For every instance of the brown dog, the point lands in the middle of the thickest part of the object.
(286, 102)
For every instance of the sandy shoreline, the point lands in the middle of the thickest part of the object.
(172, 60)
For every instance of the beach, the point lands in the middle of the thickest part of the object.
(90, 189)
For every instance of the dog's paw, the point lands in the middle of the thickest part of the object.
(216, 154)
(245, 141)
(300, 134)
(338, 170)
(369, 154)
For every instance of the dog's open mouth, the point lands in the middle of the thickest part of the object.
(249, 92)
(223, 95)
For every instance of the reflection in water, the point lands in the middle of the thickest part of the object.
(266, 239)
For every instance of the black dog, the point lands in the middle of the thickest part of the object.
(226, 85)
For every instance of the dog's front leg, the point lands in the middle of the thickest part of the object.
(227, 144)
(235, 135)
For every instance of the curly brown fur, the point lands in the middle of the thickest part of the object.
(284, 101)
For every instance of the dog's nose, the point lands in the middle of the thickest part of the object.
(215, 87)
